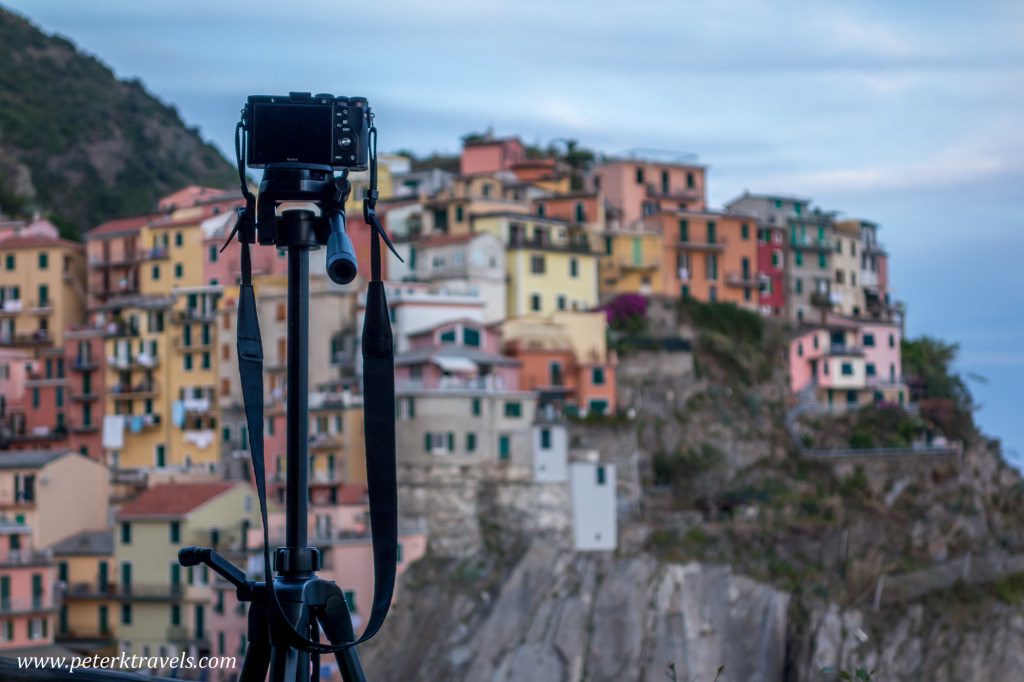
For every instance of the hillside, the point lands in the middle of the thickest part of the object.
(82, 146)
(738, 552)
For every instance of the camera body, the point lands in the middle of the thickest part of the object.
(318, 130)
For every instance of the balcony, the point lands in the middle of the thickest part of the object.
(821, 299)
(544, 242)
(192, 345)
(25, 557)
(84, 634)
(41, 434)
(144, 389)
(646, 265)
(809, 244)
(180, 634)
(137, 361)
(843, 349)
(26, 340)
(324, 441)
(673, 194)
(84, 428)
(192, 315)
(117, 330)
(109, 291)
(118, 260)
(43, 306)
(84, 397)
(455, 384)
(84, 364)
(91, 590)
(874, 249)
(742, 279)
(155, 253)
(40, 379)
(19, 605)
(11, 307)
(165, 592)
(716, 246)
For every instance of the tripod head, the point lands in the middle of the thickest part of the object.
(299, 182)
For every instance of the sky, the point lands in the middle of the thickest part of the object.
(909, 114)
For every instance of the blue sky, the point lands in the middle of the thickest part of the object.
(910, 114)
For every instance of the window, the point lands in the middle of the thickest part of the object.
(470, 442)
(869, 369)
(561, 301)
(607, 246)
(35, 397)
(799, 257)
(126, 614)
(448, 336)
(600, 475)
(160, 455)
(869, 340)
(177, 238)
(581, 215)
(540, 210)
(471, 337)
(213, 253)
(892, 340)
(476, 407)
(60, 396)
(44, 295)
(799, 350)
(744, 231)
(458, 209)
(639, 176)
(175, 614)
(10, 261)
(410, 406)
(574, 267)
(156, 272)
(822, 261)
(535, 302)
(537, 265)
(486, 189)
(513, 409)
(504, 447)
(545, 439)
(43, 261)
(225, 434)
(711, 232)
(597, 376)
(847, 369)
(350, 600)
(126, 533)
(711, 267)
(206, 361)
(684, 230)
(824, 367)
(815, 341)
(840, 276)
(175, 528)
(178, 270)
(799, 286)
(434, 442)
(188, 362)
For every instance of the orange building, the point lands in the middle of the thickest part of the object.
(636, 188)
(708, 256)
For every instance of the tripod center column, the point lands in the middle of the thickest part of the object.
(297, 482)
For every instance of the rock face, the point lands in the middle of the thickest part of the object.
(561, 616)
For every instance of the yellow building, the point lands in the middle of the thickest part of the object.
(549, 263)
(846, 268)
(631, 263)
(337, 453)
(90, 612)
(42, 290)
(178, 238)
(165, 607)
(453, 210)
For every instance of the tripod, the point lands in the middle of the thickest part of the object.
(287, 610)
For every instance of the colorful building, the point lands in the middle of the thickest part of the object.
(473, 263)
(847, 362)
(631, 262)
(165, 607)
(56, 493)
(549, 263)
(42, 290)
(459, 399)
(708, 256)
(27, 605)
(638, 188)
(565, 360)
(89, 609)
(771, 270)
(489, 154)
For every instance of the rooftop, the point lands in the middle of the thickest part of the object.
(173, 499)
(30, 459)
(37, 241)
(121, 225)
(88, 542)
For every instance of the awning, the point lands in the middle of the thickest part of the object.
(454, 364)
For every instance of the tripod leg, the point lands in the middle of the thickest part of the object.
(257, 654)
(337, 625)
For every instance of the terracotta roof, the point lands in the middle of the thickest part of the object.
(120, 225)
(37, 241)
(173, 499)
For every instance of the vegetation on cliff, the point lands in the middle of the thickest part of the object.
(83, 146)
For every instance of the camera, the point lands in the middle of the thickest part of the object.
(320, 130)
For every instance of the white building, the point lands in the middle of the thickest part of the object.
(594, 508)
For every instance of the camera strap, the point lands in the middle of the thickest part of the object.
(378, 420)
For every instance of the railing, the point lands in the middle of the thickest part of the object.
(84, 428)
(144, 360)
(91, 590)
(128, 392)
(658, 192)
(543, 242)
(742, 279)
(486, 383)
(26, 557)
(34, 604)
(167, 591)
(717, 245)
(11, 307)
(843, 349)
(811, 244)
(43, 306)
(192, 315)
(83, 364)
(36, 338)
(645, 264)
(41, 433)
(180, 633)
(120, 329)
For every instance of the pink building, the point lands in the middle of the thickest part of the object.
(490, 154)
(638, 188)
(462, 351)
(12, 375)
(225, 267)
(85, 365)
(771, 261)
(26, 592)
(37, 228)
(43, 420)
(847, 361)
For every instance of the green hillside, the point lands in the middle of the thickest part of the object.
(83, 146)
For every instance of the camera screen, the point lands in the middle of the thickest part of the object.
(292, 132)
